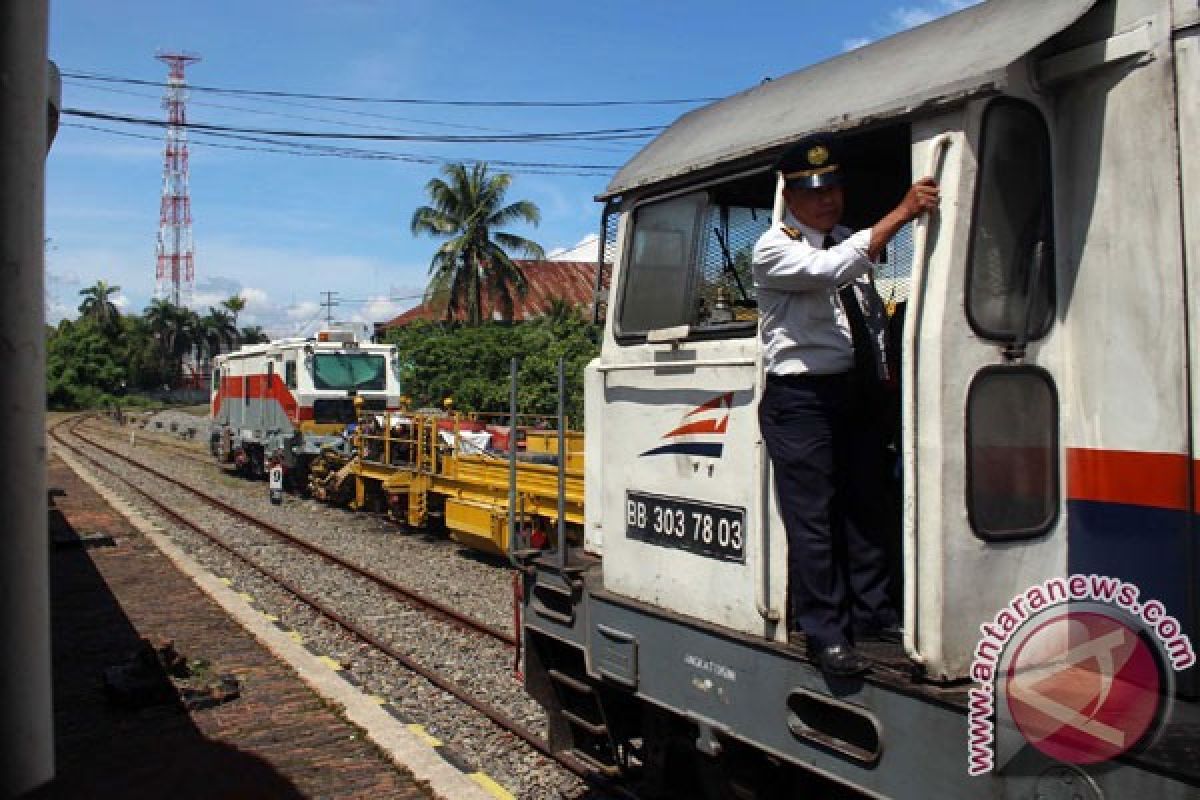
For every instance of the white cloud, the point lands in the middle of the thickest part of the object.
(379, 309)
(120, 301)
(302, 311)
(256, 299)
(854, 44)
(66, 279)
(906, 17)
(57, 310)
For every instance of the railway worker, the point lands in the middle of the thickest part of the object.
(821, 327)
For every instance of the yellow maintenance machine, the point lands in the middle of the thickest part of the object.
(431, 465)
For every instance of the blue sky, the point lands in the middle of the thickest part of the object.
(281, 229)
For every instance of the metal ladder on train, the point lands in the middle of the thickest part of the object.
(581, 709)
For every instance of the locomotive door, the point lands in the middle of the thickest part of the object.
(981, 398)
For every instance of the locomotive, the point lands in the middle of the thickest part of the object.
(1045, 503)
(289, 399)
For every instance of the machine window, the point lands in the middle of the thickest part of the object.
(655, 293)
(349, 371)
(1012, 453)
(289, 374)
(1010, 274)
(688, 262)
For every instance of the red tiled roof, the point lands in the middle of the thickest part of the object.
(573, 281)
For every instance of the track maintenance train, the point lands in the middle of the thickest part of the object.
(1045, 506)
(291, 398)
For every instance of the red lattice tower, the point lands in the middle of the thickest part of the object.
(175, 274)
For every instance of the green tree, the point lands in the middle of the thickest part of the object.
(140, 354)
(253, 334)
(471, 364)
(176, 330)
(467, 207)
(82, 365)
(559, 309)
(216, 330)
(234, 305)
(96, 305)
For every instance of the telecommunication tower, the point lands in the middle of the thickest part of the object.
(175, 273)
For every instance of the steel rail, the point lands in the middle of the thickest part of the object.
(497, 717)
(412, 596)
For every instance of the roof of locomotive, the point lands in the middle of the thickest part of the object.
(296, 343)
(952, 57)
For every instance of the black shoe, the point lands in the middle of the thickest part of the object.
(891, 632)
(841, 661)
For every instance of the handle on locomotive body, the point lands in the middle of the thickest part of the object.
(922, 248)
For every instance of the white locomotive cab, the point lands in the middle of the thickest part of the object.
(996, 419)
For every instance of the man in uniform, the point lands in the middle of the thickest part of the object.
(821, 328)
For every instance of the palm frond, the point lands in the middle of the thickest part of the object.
(519, 244)
(520, 211)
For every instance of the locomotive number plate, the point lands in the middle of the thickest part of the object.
(702, 528)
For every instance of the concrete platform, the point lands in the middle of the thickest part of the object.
(298, 730)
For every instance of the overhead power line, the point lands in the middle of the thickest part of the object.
(88, 76)
(615, 147)
(267, 145)
(602, 134)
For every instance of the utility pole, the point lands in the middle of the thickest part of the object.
(330, 303)
(27, 90)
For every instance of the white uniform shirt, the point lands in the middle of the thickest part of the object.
(802, 324)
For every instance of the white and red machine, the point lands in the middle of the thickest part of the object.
(288, 399)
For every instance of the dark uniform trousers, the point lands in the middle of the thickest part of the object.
(825, 444)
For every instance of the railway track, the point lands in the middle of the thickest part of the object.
(276, 554)
(160, 441)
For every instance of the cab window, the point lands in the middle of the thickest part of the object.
(289, 374)
(1010, 275)
(688, 261)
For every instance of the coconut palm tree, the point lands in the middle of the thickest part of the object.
(215, 330)
(234, 306)
(176, 329)
(139, 352)
(467, 209)
(97, 306)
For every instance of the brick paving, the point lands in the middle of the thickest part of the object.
(278, 740)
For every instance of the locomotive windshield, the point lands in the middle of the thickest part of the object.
(349, 371)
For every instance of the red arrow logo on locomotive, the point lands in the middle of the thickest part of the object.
(701, 432)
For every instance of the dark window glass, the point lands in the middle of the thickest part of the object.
(216, 380)
(1012, 452)
(349, 371)
(289, 374)
(270, 374)
(1010, 277)
(659, 264)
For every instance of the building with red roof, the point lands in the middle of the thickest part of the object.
(572, 281)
